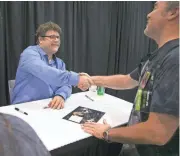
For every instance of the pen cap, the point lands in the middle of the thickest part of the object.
(17, 109)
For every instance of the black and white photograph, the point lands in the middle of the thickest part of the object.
(82, 114)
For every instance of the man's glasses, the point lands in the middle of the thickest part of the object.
(52, 37)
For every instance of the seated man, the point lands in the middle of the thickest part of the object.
(41, 74)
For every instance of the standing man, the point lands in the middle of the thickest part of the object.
(41, 74)
(153, 127)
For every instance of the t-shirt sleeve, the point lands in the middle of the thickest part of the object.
(135, 74)
(165, 96)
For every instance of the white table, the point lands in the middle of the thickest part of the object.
(56, 132)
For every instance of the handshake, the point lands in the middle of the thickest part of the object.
(85, 81)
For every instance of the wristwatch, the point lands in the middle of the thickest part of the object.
(106, 135)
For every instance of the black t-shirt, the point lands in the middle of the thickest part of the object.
(165, 95)
(165, 98)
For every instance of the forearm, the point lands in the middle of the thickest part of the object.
(115, 81)
(136, 134)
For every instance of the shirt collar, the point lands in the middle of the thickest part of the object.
(42, 52)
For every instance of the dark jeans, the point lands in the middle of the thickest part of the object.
(128, 150)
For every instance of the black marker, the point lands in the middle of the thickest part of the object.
(17, 109)
(89, 98)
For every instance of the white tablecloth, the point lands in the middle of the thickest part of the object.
(56, 132)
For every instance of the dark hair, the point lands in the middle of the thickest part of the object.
(172, 5)
(43, 28)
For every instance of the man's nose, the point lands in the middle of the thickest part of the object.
(148, 16)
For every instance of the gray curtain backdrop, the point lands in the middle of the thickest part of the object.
(100, 38)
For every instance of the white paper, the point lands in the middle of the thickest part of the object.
(76, 118)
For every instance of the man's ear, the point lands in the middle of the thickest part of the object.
(40, 39)
(173, 13)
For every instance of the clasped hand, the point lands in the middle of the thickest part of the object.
(85, 81)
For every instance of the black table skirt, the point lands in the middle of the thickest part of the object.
(88, 147)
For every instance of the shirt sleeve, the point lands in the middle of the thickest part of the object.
(134, 74)
(30, 62)
(165, 96)
(66, 90)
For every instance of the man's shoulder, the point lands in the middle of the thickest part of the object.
(172, 58)
(30, 50)
(169, 67)
(174, 53)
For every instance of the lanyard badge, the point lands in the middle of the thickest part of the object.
(145, 79)
(142, 96)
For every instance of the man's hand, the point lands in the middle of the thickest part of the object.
(85, 82)
(96, 129)
(84, 74)
(57, 103)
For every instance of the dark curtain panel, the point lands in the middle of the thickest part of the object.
(100, 38)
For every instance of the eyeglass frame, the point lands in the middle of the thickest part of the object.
(52, 37)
